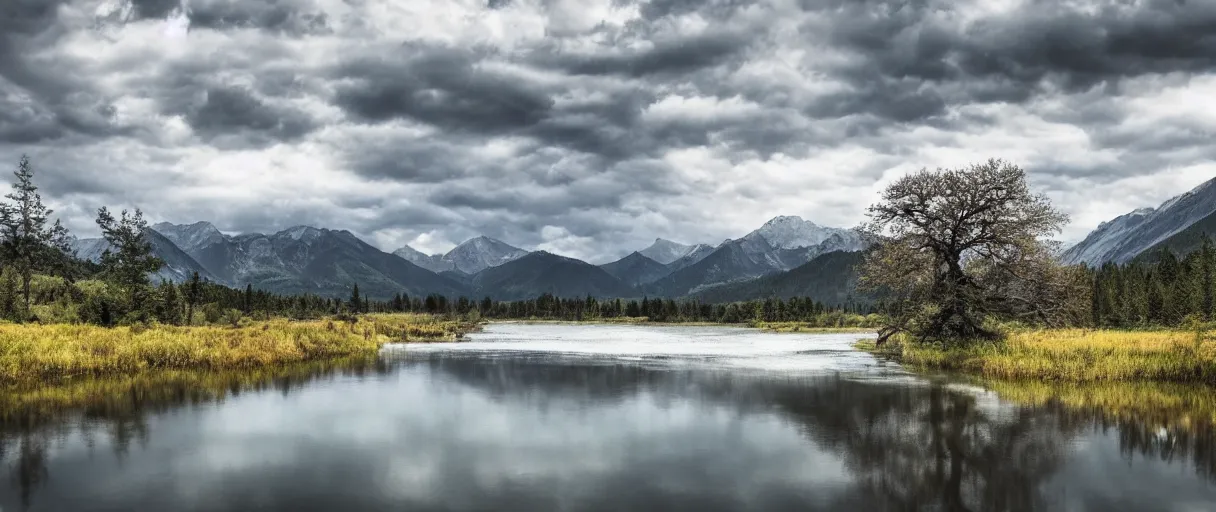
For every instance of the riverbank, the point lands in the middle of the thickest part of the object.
(1071, 355)
(783, 327)
(63, 351)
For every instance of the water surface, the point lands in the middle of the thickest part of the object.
(564, 417)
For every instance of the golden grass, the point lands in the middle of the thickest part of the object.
(32, 352)
(1164, 404)
(118, 394)
(1078, 355)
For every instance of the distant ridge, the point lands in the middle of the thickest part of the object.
(542, 272)
(1127, 236)
(636, 269)
(306, 259)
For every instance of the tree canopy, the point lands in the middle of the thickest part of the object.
(29, 242)
(955, 247)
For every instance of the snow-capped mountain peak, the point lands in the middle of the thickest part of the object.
(1124, 237)
(665, 251)
(793, 232)
(189, 236)
(434, 263)
(301, 233)
(480, 253)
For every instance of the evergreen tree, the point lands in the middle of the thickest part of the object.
(356, 303)
(1206, 254)
(169, 306)
(193, 294)
(247, 304)
(10, 296)
(129, 259)
(29, 243)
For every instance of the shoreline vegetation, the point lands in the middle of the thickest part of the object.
(40, 401)
(1068, 355)
(857, 324)
(37, 352)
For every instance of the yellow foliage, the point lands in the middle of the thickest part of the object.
(1163, 404)
(32, 351)
(39, 401)
(1079, 355)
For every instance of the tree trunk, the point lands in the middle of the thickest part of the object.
(885, 334)
(26, 277)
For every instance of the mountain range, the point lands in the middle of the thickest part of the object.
(1178, 223)
(306, 259)
(470, 257)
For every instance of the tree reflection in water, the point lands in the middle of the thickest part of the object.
(32, 420)
(907, 443)
(911, 444)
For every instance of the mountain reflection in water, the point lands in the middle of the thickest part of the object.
(436, 429)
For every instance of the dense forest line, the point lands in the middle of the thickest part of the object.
(1158, 290)
(58, 300)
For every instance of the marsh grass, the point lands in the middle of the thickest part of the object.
(119, 395)
(1161, 404)
(1075, 355)
(59, 351)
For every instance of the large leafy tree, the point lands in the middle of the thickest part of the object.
(30, 242)
(129, 259)
(956, 246)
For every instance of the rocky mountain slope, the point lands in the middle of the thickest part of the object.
(636, 269)
(667, 252)
(542, 272)
(435, 263)
(470, 257)
(1186, 241)
(179, 266)
(830, 278)
(730, 262)
(1123, 238)
(781, 244)
(481, 253)
(305, 259)
(792, 232)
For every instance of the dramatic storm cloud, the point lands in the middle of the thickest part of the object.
(590, 127)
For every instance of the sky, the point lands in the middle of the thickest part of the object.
(589, 128)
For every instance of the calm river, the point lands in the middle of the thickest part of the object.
(578, 417)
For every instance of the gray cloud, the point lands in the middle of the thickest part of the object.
(664, 58)
(441, 87)
(595, 125)
(287, 17)
(234, 112)
(155, 9)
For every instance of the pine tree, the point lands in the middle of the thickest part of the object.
(10, 296)
(29, 243)
(169, 309)
(247, 305)
(193, 293)
(129, 259)
(356, 303)
(1206, 254)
